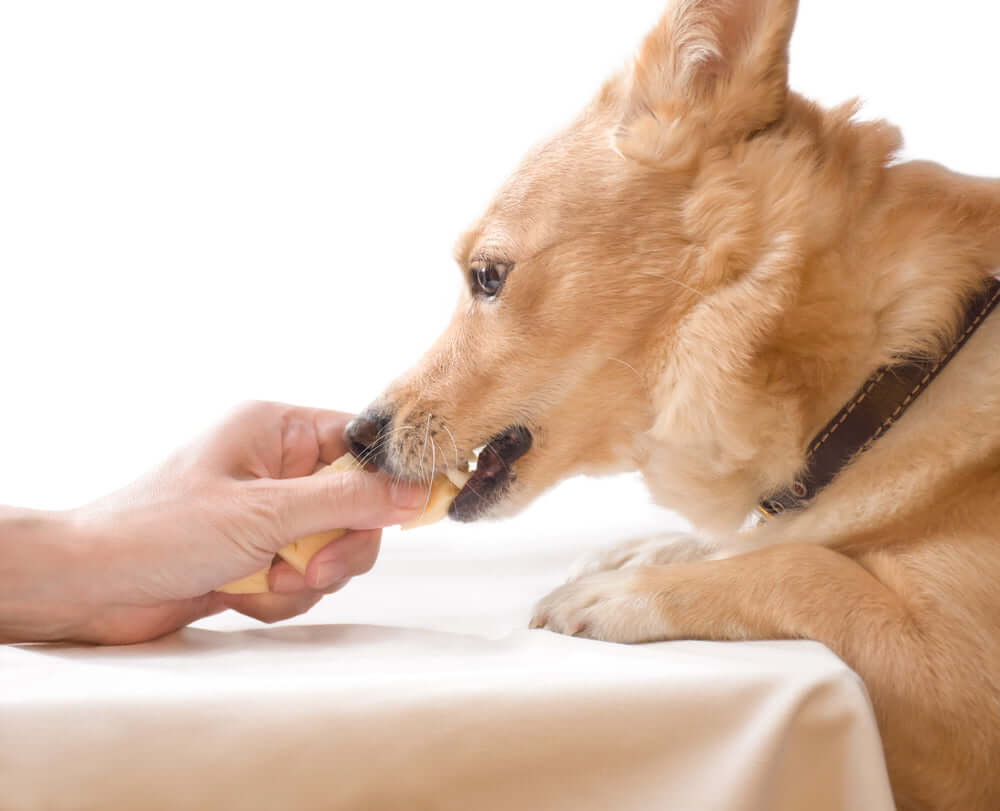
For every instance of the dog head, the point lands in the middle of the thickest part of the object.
(581, 335)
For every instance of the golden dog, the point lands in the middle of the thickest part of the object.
(690, 280)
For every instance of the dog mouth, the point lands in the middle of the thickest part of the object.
(491, 475)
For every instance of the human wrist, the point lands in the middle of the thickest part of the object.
(46, 559)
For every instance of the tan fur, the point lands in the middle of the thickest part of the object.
(706, 267)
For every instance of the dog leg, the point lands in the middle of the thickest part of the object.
(902, 651)
(658, 550)
(773, 593)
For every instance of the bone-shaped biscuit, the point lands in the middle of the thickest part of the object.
(300, 552)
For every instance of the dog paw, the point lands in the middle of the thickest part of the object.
(611, 605)
(659, 550)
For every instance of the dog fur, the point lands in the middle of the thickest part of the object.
(705, 267)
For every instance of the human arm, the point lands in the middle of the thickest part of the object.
(145, 560)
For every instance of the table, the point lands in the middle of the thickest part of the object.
(419, 687)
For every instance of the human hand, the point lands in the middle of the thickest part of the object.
(145, 560)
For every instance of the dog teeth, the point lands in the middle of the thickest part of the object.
(474, 461)
(462, 472)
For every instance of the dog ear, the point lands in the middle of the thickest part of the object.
(715, 69)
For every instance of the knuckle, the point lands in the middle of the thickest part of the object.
(353, 490)
(337, 586)
(249, 411)
(267, 616)
(368, 558)
(304, 602)
(267, 609)
(261, 514)
(249, 408)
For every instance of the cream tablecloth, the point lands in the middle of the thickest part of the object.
(419, 688)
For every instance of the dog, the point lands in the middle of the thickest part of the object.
(692, 280)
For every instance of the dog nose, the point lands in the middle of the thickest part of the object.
(365, 434)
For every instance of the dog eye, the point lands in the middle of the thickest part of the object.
(488, 279)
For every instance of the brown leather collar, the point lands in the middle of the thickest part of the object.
(876, 407)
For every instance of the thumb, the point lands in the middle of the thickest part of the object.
(347, 500)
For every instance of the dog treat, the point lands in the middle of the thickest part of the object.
(443, 492)
(300, 552)
(255, 583)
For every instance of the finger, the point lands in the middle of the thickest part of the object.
(283, 579)
(299, 448)
(351, 555)
(253, 412)
(353, 500)
(273, 607)
(348, 557)
(312, 439)
(336, 586)
(266, 439)
(329, 427)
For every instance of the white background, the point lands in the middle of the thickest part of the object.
(202, 202)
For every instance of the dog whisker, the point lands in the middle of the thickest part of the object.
(380, 441)
(430, 481)
(423, 451)
(370, 451)
(382, 438)
(628, 366)
(458, 465)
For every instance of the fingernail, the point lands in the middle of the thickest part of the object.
(408, 496)
(329, 572)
